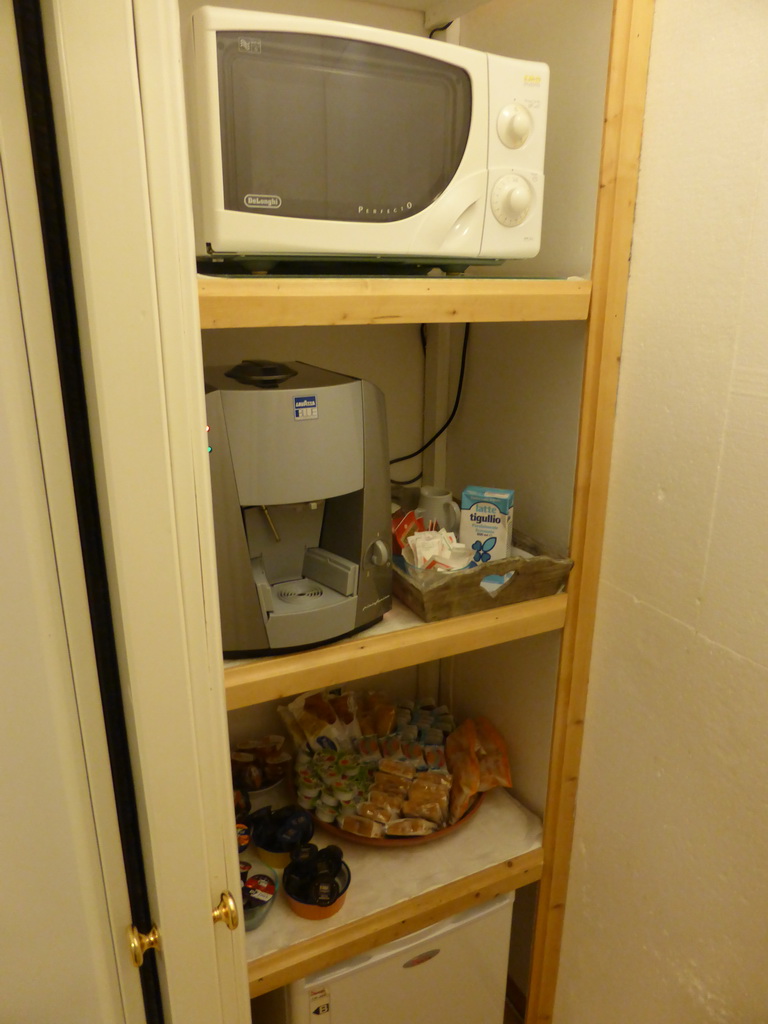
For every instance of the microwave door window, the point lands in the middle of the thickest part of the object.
(332, 129)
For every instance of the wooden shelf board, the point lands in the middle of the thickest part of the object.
(289, 302)
(377, 650)
(436, 12)
(397, 892)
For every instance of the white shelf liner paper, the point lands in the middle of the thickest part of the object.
(501, 829)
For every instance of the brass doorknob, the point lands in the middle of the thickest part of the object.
(140, 943)
(227, 911)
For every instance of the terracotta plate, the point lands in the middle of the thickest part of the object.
(388, 842)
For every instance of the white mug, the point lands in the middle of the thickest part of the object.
(438, 506)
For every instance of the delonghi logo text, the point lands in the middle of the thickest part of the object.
(262, 202)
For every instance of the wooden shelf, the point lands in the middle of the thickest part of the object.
(292, 302)
(383, 649)
(436, 12)
(397, 892)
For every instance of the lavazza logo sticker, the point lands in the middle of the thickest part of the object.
(255, 202)
(305, 407)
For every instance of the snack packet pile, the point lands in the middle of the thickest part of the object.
(372, 725)
(323, 721)
(387, 797)
(381, 772)
(379, 768)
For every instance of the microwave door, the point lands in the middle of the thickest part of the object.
(328, 129)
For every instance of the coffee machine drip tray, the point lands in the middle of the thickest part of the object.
(304, 592)
(308, 609)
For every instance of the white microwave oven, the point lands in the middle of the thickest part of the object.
(323, 140)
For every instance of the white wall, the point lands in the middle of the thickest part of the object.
(668, 901)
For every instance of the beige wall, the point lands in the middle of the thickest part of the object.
(668, 906)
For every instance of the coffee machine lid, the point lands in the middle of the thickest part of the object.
(267, 374)
(261, 373)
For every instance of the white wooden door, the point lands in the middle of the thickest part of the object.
(63, 950)
(116, 87)
(57, 951)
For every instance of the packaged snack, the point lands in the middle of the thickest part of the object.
(428, 795)
(277, 767)
(436, 778)
(324, 758)
(460, 750)
(424, 808)
(346, 793)
(391, 783)
(434, 758)
(492, 756)
(318, 722)
(427, 791)
(409, 733)
(391, 746)
(239, 761)
(368, 748)
(391, 802)
(410, 827)
(384, 718)
(344, 706)
(367, 809)
(303, 758)
(402, 719)
(445, 723)
(361, 826)
(401, 769)
(253, 776)
(309, 789)
(298, 738)
(366, 724)
(414, 755)
(364, 777)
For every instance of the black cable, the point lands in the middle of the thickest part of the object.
(404, 483)
(440, 28)
(457, 400)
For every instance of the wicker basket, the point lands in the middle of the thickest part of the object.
(434, 595)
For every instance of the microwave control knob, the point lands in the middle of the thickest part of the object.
(511, 200)
(378, 553)
(514, 124)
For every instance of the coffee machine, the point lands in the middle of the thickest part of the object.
(301, 506)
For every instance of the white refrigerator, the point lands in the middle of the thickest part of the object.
(454, 972)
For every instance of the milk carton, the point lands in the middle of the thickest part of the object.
(486, 523)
